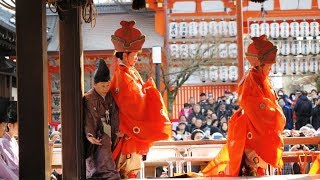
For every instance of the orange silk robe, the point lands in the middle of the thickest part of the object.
(142, 114)
(257, 125)
(315, 168)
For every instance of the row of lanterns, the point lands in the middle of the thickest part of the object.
(296, 65)
(297, 47)
(285, 29)
(205, 50)
(219, 73)
(202, 28)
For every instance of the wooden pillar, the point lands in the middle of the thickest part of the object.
(240, 38)
(71, 73)
(32, 89)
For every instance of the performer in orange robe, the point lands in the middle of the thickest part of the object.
(142, 114)
(254, 136)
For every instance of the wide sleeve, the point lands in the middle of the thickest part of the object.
(90, 123)
(5, 171)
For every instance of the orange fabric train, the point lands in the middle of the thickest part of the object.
(315, 168)
(257, 126)
(142, 113)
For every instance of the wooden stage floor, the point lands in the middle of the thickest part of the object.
(278, 177)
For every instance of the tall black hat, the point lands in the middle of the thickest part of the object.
(12, 112)
(102, 73)
(4, 104)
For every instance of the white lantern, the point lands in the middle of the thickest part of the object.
(233, 50)
(223, 28)
(193, 50)
(285, 48)
(295, 47)
(214, 75)
(294, 29)
(204, 51)
(173, 29)
(223, 50)
(274, 29)
(314, 66)
(193, 28)
(233, 73)
(184, 51)
(203, 28)
(315, 47)
(278, 44)
(274, 69)
(213, 28)
(183, 29)
(265, 29)
(284, 65)
(203, 74)
(284, 29)
(174, 51)
(305, 48)
(254, 29)
(294, 66)
(223, 73)
(304, 28)
(314, 28)
(303, 65)
(232, 26)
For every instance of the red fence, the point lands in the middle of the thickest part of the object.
(185, 92)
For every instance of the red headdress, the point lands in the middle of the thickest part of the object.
(261, 51)
(127, 38)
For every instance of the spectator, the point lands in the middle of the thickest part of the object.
(228, 97)
(203, 103)
(182, 133)
(224, 129)
(288, 114)
(314, 94)
(283, 96)
(197, 135)
(316, 115)
(192, 101)
(183, 119)
(211, 104)
(174, 135)
(186, 110)
(234, 106)
(209, 121)
(215, 123)
(223, 111)
(209, 112)
(196, 112)
(303, 110)
(197, 125)
(55, 137)
(214, 116)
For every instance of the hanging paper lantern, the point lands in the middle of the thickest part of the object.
(294, 29)
(184, 51)
(274, 29)
(265, 29)
(278, 44)
(203, 74)
(204, 50)
(233, 73)
(214, 75)
(314, 28)
(223, 28)
(274, 69)
(173, 29)
(183, 29)
(295, 47)
(193, 50)
(315, 47)
(223, 50)
(314, 66)
(258, 1)
(304, 28)
(174, 51)
(303, 65)
(233, 50)
(193, 28)
(284, 29)
(285, 48)
(305, 49)
(232, 26)
(284, 65)
(223, 73)
(203, 28)
(294, 65)
(254, 29)
(213, 28)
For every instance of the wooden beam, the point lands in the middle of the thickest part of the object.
(32, 89)
(71, 73)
